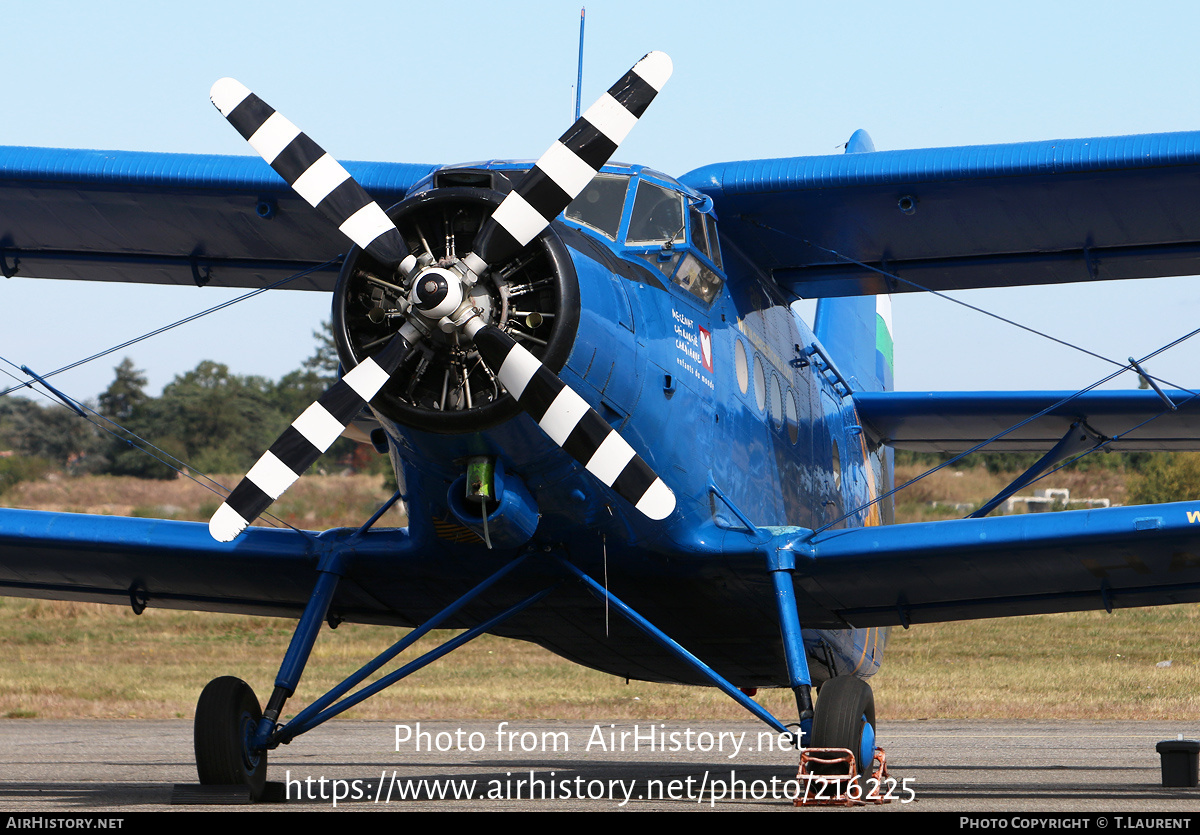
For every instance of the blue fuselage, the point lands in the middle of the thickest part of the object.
(703, 367)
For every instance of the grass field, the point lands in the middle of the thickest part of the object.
(68, 660)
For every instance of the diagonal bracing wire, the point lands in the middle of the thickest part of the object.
(176, 324)
(850, 260)
(157, 453)
(129, 437)
(1121, 368)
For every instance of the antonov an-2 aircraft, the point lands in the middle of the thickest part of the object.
(597, 398)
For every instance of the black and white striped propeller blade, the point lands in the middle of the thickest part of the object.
(557, 179)
(313, 174)
(572, 423)
(302, 443)
(569, 165)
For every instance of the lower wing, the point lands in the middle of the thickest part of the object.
(997, 567)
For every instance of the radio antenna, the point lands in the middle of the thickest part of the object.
(579, 79)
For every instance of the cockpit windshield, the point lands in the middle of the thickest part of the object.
(599, 205)
(659, 224)
(657, 215)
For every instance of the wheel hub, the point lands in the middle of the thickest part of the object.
(250, 755)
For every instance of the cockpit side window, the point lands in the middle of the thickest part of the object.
(714, 247)
(696, 221)
(693, 274)
(698, 279)
(599, 205)
(657, 215)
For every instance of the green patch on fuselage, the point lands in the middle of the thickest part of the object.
(883, 341)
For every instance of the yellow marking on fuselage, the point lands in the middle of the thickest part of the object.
(873, 515)
(871, 633)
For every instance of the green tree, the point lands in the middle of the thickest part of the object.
(223, 420)
(135, 413)
(298, 390)
(1168, 477)
(213, 420)
(126, 394)
(324, 361)
(52, 432)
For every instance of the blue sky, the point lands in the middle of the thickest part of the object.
(472, 80)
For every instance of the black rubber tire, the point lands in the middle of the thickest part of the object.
(838, 718)
(226, 717)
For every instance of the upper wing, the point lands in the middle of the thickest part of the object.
(954, 421)
(955, 218)
(169, 218)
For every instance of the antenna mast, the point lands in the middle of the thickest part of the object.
(579, 80)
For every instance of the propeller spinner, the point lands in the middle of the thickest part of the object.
(439, 295)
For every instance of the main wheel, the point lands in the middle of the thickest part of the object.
(845, 718)
(227, 717)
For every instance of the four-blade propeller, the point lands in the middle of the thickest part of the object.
(440, 293)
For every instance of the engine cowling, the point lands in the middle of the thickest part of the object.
(443, 385)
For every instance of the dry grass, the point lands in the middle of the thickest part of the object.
(67, 660)
(1085, 665)
(914, 504)
(315, 501)
(976, 485)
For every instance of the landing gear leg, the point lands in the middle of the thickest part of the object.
(793, 642)
(232, 735)
(227, 718)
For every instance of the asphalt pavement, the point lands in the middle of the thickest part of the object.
(937, 765)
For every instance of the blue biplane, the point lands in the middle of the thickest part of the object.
(597, 397)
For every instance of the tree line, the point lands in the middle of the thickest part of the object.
(213, 421)
(207, 419)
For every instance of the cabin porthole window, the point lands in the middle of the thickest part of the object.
(760, 385)
(776, 403)
(741, 364)
(793, 416)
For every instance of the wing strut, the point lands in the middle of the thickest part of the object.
(270, 734)
(678, 651)
(1080, 438)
